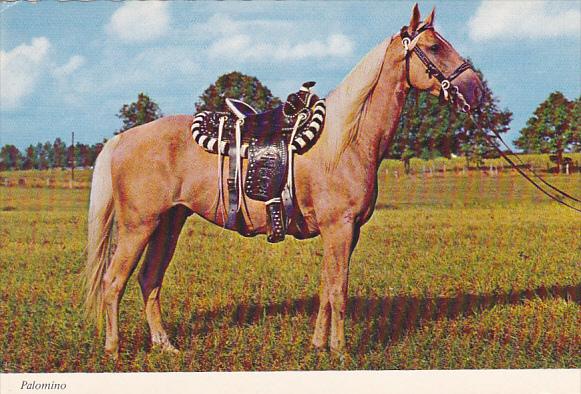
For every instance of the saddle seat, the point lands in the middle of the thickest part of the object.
(261, 124)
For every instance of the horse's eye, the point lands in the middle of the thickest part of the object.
(435, 48)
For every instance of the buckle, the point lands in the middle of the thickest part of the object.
(231, 184)
(445, 85)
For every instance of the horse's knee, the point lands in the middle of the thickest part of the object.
(111, 289)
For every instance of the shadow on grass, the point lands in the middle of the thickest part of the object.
(385, 319)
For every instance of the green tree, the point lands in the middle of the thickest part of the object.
(41, 156)
(60, 154)
(31, 158)
(10, 158)
(553, 128)
(429, 129)
(575, 142)
(82, 155)
(48, 154)
(144, 110)
(237, 86)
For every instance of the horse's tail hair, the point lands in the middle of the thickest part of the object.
(100, 232)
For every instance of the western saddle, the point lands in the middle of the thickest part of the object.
(268, 140)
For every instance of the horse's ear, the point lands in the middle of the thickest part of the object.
(415, 19)
(430, 19)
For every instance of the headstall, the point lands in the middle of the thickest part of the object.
(448, 91)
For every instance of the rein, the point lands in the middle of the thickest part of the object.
(557, 197)
(448, 91)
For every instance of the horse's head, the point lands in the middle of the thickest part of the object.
(432, 64)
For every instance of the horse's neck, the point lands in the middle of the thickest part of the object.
(380, 117)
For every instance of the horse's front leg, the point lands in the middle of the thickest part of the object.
(338, 242)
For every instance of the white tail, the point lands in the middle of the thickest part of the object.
(101, 218)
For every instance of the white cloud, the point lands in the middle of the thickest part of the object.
(20, 70)
(523, 19)
(139, 21)
(74, 63)
(220, 24)
(245, 47)
(268, 40)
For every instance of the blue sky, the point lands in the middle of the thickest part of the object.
(71, 66)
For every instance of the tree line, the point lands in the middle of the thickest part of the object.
(42, 156)
(427, 128)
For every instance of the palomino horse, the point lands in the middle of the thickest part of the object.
(148, 180)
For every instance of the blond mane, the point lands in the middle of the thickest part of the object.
(347, 103)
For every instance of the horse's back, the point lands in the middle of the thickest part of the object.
(151, 161)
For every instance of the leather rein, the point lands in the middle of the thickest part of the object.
(559, 196)
(448, 91)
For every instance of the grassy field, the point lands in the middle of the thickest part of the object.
(451, 272)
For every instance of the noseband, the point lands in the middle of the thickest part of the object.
(448, 91)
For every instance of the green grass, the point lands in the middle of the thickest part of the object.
(451, 272)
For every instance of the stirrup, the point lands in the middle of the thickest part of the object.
(276, 220)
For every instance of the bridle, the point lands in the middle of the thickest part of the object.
(448, 91)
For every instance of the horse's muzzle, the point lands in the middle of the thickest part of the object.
(473, 94)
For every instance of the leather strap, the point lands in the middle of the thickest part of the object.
(232, 222)
(293, 214)
(557, 198)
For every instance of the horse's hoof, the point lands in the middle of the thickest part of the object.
(340, 355)
(318, 343)
(166, 348)
(112, 354)
(170, 349)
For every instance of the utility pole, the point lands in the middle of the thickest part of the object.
(73, 156)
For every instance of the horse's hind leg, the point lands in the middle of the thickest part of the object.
(131, 242)
(159, 253)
